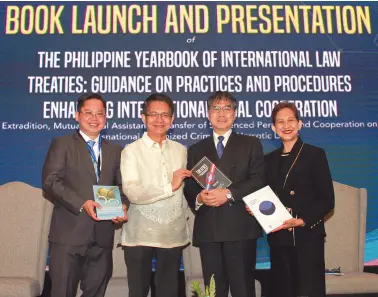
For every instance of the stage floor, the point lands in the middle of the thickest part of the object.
(261, 276)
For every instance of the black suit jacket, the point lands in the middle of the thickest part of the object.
(308, 190)
(243, 163)
(67, 179)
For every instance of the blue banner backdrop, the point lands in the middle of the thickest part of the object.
(321, 55)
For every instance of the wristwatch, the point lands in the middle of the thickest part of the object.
(229, 197)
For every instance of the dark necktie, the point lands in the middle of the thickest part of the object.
(220, 146)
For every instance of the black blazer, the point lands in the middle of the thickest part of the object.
(243, 163)
(308, 190)
(67, 179)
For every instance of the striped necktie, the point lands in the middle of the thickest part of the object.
(91, 144)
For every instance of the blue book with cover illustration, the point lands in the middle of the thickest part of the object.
(109, 197)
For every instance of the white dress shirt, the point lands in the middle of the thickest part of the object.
(157, 216)
(96, 146)
(216, 140)
(95, 149)
(225, 135)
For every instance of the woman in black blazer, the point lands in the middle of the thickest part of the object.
(299, 174)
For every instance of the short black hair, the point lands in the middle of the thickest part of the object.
(158, 97)
(219, 95)
(283, 105)
(88, 96)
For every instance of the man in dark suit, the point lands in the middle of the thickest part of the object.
(81, 244)
(224, 232)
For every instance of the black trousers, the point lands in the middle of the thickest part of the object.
(139, 269)
(298, 270)
(91, 264)
(233, 265)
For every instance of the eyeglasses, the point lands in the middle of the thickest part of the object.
(226, 108)
(90, 114)
(288, 122)
(155, 115)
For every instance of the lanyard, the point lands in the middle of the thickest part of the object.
(291, 167)
(91, 151)
(93, 155)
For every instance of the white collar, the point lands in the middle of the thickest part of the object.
(225, 135)
(87, 138)
(149, 142)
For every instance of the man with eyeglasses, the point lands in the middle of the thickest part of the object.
(153, 171)
(80, 244)
(223, 231)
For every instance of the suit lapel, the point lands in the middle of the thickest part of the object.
(85, 156)
(209, 150)
(231, 147)
(273, 169)
(105, 158)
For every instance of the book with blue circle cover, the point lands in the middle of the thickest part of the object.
(267, 208)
